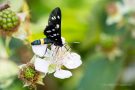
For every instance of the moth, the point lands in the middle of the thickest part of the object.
(52, 30)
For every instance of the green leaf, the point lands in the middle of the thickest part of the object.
(100, 73)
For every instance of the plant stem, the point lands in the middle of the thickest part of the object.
(7, 41)
(3, 52)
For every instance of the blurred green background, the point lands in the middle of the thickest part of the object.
(107, 50)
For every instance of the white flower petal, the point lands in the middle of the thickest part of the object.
(21, 66)
(63, 40)
(22, 16)
(48, 53)
(72, 61)
(8, 70)
(62, 74)
(20, 34)
(114, 19)
(39, 50)
(129, 4)
(33, 59)
(41, 65)
(53, 47)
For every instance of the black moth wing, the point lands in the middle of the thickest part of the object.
(53, 29)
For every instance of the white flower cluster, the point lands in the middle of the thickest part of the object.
(53, 60)
(117, 10)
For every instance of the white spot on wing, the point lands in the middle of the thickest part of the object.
(52, 18)
(54, 34)
(48, 31)
(51, 36)
(58, 17)
(53, 29)
(57, 25)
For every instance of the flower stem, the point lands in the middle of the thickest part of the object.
(7, 41)
(3, 53)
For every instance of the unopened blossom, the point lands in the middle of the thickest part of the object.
(55, 59)
(115, 13)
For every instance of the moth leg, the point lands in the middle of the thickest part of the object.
(57, 50)
(53, 54)
(46, 50)
(68, 49)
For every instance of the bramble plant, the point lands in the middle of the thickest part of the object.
(47, 60)
(67, 44)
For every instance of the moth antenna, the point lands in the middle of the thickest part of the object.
(76, 42)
